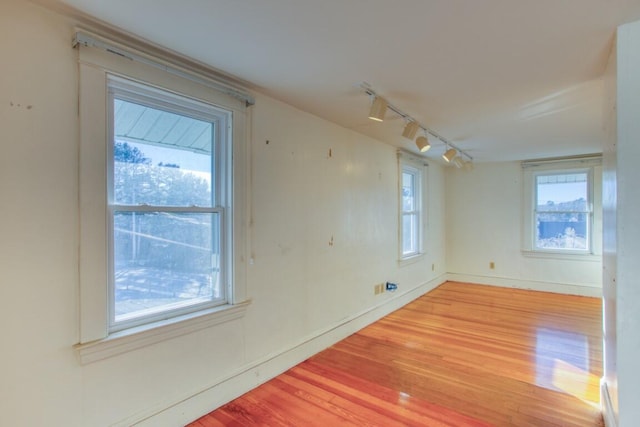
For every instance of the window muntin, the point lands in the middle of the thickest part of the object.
(562, 211)
(411, 208)
(168, 247)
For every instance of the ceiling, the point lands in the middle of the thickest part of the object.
(501, 79)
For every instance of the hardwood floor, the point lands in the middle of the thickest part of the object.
(462, 355)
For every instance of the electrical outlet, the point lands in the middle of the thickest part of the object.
(492, 265)
(378, 289)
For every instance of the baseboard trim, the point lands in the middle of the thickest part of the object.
(608, 414)
(559, 288)
(180, 410)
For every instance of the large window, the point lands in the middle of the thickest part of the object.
(166, 204)
(163, 181)
(563, 211)
(562, 214)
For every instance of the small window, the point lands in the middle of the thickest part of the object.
(410, 211)
(167, 205)
(562, 211)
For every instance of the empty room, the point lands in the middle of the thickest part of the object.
(313, 213)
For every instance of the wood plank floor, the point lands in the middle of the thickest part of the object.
(461, 355)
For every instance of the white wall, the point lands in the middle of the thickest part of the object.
(484, 224)
(609, 381)
(305, 293)
(622, 234)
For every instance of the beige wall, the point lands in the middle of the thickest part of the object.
(485, 223)
(40, 381)
(301, 288)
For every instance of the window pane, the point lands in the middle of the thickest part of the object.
(164, 261)
(408, 192)
(409, 234)
(562, 231)
(562, 192)
(160, 158)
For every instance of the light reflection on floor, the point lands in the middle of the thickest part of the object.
(562, 364)
(403, 397)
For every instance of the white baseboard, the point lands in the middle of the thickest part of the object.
(607, 407)
(180, 410)
(559, 288)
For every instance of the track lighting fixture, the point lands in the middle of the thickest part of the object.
(378, 109)
(423, 144)
(449, 154)
(410, 130)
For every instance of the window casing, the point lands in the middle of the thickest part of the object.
(167, 205)
(562, 213)
(105, 79)
(411, 210)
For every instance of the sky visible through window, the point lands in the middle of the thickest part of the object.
(573, 188)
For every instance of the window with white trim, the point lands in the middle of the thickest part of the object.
(411, 207)
(163, 180)
(563, 211)
(562, 207)
(168, 208)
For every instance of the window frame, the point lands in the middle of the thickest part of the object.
(221, 120)
(531, 170)
(588, 211)
(96, 64)
(413, 165)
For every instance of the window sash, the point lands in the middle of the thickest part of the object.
(177, 308)
(412, 241)
(588, 212)
(122, 89)
(565, 212)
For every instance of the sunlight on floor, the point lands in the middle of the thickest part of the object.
(562, 363)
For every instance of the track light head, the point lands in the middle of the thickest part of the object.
(378, 109)
(423, 144)
(410, 130)
(449, 154)
(468, 165)
(458, 162)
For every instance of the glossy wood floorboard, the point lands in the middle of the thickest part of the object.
(461, 355)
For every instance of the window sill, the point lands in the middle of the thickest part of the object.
(142, 336)
(571, 256)
(410, 259)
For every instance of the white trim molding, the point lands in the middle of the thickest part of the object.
(533, 285)
(608, 414)
(217, 82)
(96, 67)
(142, 336)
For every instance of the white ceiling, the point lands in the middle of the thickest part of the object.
(502, 79)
